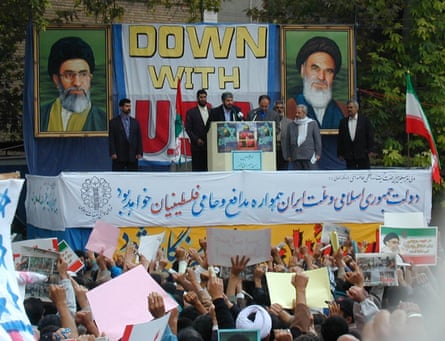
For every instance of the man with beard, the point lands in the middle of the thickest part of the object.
(226, 111)
(319, 61)
(302, 143)
(71, 65)
(195, 125)
(125, 139)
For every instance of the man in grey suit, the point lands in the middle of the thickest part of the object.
(263, 113)
(302, 143)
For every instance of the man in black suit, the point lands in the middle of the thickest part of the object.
(125, 139)
(355, 138)
(226, 111)
(195, 125)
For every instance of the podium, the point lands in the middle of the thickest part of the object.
(241, 145)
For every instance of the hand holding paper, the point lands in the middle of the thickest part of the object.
(156, 304)
(238, 264)
(334, 241)
(103, 239)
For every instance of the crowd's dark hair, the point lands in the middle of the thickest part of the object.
(203, 324)
(69, 48)
(190, 312)
(307, 337)
(189, 334)
(334, 327)
(49, 321)
(34, 309)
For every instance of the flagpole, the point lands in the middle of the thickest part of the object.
(181, 136)
(408, 139)
(183, 145)
(408, 151)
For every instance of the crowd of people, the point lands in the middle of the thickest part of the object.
(209, 301)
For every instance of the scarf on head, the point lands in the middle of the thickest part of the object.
(302, 129)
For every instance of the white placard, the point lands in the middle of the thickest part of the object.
(223, 244)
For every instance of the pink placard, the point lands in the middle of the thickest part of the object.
(122, 301)
(103, 238)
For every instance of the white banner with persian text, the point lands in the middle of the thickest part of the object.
(225, 198)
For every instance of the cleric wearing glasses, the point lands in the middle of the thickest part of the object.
(71, 66)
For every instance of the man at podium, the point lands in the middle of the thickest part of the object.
(264, 113)
(226, 111)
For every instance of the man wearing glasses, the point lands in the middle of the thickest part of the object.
(71, 66)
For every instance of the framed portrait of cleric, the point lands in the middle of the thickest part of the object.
(318, 71)
(72, 77)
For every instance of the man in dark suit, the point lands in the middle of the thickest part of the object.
(226, 111)
(195, 125)
(125, 139)
(355, 138)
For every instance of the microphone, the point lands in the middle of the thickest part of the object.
(238, 116)
(257, 112)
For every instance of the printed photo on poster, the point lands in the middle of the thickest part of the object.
(318, 71)
(72, 78)
(378, 268)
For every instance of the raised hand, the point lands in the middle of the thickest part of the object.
(238, 264)
(215, 287)
(156, 304)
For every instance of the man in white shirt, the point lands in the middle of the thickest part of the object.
(355, 138)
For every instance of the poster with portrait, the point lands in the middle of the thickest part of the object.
(318, 71)
(72, 81)
(414, 245)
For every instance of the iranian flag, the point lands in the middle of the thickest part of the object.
(417, 123)
(179, 110)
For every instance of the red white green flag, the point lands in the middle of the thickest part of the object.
(417, 123)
